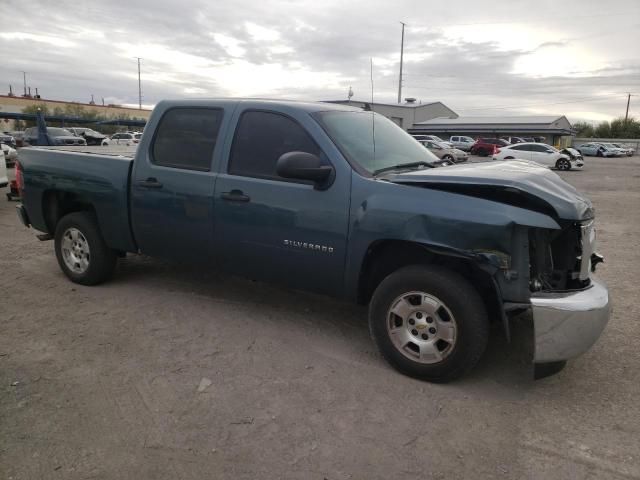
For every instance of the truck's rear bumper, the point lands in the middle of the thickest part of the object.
(567, 324)
(22, 215)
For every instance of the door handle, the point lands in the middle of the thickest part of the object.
(150, 183)
(235, 196)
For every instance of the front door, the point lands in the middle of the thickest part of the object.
(275, 229)
(172, 186)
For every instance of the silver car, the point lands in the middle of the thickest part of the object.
(597, 150)
(461, 142)
(444, 152)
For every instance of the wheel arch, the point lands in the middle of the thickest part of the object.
(58, 203)
(384, 257)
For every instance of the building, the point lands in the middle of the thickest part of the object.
(406, 114)
(556, 129)
(15, 104)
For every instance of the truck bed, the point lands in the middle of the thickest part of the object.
(97, 175)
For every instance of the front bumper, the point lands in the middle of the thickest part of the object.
(567, 324)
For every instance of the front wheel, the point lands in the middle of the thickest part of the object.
(563, 164)
(448, 158)
(80, 249)
(429, 323)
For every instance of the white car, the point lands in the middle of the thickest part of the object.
(614, 147)
(10, 154)
(540, 153)
(4, 180)
(461, 142)
(124, 139)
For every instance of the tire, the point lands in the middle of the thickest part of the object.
(598, 153)
(448, 158)
(80, 249)
(563, 164)
(466, 327)
(508, 158)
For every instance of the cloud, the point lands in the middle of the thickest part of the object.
(474, 60)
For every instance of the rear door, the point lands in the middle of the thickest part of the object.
(173, 183)
(275, 229)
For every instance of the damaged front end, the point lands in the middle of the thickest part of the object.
(570, 307)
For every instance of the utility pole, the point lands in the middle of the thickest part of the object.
(139, 86)
(401, 60)
(24, 78)
(626, 115)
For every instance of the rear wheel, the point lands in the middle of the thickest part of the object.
(428, 323)
(563, 164)
(80, 249)
(448, 158)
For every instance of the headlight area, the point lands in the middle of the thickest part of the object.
(561, 260)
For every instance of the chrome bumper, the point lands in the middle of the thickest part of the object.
(567, 324)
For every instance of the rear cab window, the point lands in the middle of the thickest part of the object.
(186, 138)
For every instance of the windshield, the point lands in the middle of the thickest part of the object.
(353, 133)
(59, 132)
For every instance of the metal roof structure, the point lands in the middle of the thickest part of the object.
(554, 124)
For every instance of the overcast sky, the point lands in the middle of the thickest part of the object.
(574, 57)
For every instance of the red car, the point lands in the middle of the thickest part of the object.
(487, 146)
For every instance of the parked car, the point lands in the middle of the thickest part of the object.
(18, 136)
(58, 136)
(4, 179)
(487, 146)
(10, 154)
(597, 150)
(443, 152)
(614, 148)
(124, 139)
(432, 138)
(91, 136)
(512, 140)
(573, 154)
(461, 142)
(540, 153)
(628, 151)
(303, 195)
(8, 139)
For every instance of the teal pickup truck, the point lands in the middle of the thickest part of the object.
(339, 201)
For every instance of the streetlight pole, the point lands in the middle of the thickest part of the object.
(139, 86)
(24, 79)
(626, 115)
(401, 60)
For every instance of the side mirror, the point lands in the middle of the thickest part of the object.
(304, 166)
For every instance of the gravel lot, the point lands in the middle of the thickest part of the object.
(168, 372)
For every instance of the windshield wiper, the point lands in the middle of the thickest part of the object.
(402, 165)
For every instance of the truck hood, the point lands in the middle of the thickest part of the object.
(520, 183)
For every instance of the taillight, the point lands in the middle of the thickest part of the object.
(19, 178)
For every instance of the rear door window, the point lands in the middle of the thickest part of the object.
(186, 138)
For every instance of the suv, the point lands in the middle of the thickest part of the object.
(487, 146)
(125, 139)
(461, 142)
(57, 136)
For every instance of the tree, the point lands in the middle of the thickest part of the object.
(603, 130)
(583, 129)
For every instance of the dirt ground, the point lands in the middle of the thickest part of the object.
(170, 372)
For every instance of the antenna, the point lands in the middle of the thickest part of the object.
(373, 118)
